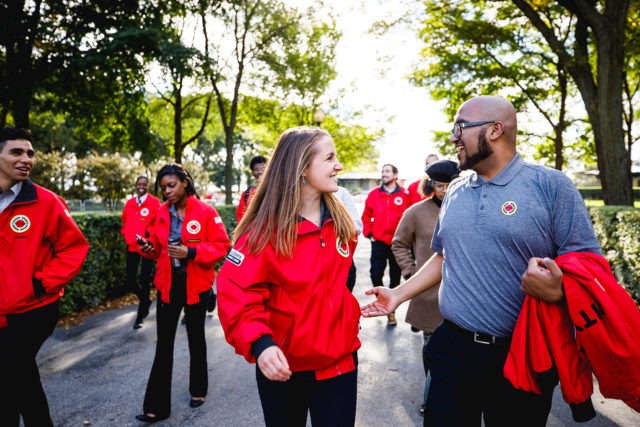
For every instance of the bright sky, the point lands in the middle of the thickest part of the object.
(381, 89)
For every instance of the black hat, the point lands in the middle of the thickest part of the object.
(442, 170)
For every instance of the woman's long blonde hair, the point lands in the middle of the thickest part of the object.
(272, 215)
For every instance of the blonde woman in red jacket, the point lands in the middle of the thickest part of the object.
(187, 238)
(282, 299)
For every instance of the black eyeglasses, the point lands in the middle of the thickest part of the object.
(458, 127)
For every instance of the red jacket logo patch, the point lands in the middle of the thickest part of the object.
(20, 223)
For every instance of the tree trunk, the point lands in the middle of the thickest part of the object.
(605, 113)
(228, 167)
(177, 125)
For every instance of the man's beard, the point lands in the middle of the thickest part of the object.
(484, 151)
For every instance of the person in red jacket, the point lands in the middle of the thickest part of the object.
(421, 189)
(283, 303)
(187, 239)
(257, 166)
(383, 210)
(138, 213)
(41, 250)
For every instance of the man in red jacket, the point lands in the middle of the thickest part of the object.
(382, 212)
(41, 250)
(416, 196)
(138, 213)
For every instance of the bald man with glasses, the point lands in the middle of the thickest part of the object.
(499, 229)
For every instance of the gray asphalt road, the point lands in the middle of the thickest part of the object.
(95, 374)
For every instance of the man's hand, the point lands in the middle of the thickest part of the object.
(385, 303)
(273, 364)
(543, 280)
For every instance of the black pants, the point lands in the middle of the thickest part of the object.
(467, 384)
(351, 278)
(380, 254)
(157, 399)
(140, 288)
(330, 402)
(21, 391)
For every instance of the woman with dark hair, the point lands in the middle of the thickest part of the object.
(283, 303)
(187, 239)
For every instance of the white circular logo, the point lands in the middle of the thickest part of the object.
(20, 223)
(342, 247)
(144, 211)
(509, 208)
(193, 226)
(398, 201)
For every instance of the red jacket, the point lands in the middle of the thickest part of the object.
(301, 302)
(243, 204)
(136, 219)
(606, 324)
(41, 250)
(414, 195)
(382, 213)
(202, 229)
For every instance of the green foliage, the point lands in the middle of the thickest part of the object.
(476, 48)
(83, 60)
(103, 271)
(618, 230)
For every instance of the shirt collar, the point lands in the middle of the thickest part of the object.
(505, 176)
(15, 189)
(395, 190)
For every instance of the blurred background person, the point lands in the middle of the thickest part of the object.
(419, 190)
(345, 197)
(138, 214)
(283, 303)
(412, 248)
(382, 212)
(257, 166)
(187, 239)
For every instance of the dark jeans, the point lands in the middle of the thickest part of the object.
(21, 391)
(141, 287)
(467, 383)
(330, 402)
(380, 254)
(157, 399)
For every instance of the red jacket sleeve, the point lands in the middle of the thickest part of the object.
(69, 248)
(367, 216)
(243, 288)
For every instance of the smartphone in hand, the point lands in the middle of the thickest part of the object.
(140, 240)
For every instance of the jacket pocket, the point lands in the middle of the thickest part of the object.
(38, 288)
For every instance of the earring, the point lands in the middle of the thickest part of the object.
(304, 181)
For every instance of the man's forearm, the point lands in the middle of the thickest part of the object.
(429, 275)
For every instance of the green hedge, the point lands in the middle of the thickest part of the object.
(618, 230)
(103, 273)
(595, 193)
(102, 276)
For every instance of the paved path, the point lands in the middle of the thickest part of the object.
(95, 374)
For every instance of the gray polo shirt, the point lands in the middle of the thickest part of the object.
(488, 230)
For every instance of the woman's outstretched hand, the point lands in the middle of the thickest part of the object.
(385, 302)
